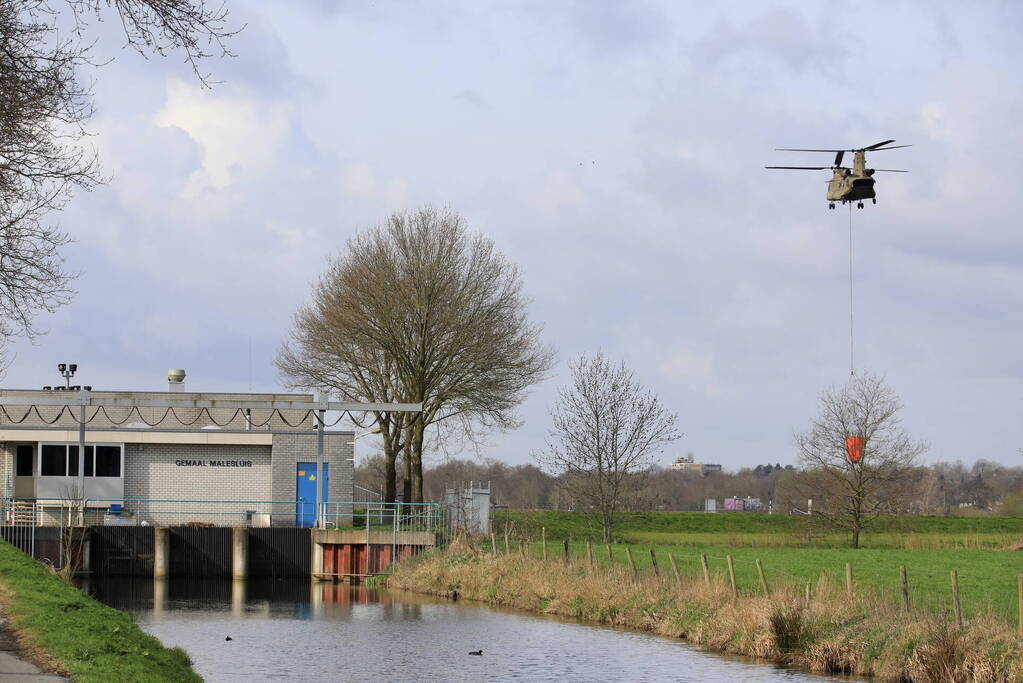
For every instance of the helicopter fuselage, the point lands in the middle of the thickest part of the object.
(846, 186)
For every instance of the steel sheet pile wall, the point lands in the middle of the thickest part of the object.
(121, 550)
(200, 552)
(279, 552)
(42, 543)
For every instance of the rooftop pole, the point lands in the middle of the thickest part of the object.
(83, 397)
(320, 417)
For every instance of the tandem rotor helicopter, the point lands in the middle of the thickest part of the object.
(848, 184)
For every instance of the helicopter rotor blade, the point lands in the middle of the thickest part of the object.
(881, 149)
(890, 170)
(876, 145)
(790, 149)
(803, 168)
(838, 157)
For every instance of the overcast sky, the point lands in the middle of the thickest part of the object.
(615, 151)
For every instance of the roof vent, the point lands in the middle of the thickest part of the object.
(176, 379)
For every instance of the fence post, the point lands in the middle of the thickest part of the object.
(904, 581)
(566, 552)
(848, 580)
(956, 607)
(706, 569)
(731, 576)
(610, 558)
(632, 563)
(674, 567)
(653, 561)
(507, 550)
(543, 540)
(493, 544)
(763, 579)
(589, 553)
(1021, 604)
(807, 593)
(522, 548)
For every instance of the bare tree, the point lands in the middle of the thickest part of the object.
(606, 428)
(850, 490)
(43, 110)
(420, 310)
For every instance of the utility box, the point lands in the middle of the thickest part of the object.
(257, 519)
(467, 508)
(122, 518)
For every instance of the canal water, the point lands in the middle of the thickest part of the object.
(302, 631)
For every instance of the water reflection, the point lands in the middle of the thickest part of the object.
(305, 631)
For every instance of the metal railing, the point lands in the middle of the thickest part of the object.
(30, 513)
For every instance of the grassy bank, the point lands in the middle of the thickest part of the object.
(867, 634)
(65, 629)
(987, 578)
(745, 529)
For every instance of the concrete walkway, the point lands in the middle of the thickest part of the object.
(12, 667)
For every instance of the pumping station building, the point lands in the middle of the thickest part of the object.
(172, 458)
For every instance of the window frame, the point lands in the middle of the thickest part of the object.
(90, 467)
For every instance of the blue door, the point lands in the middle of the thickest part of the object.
(305, 491)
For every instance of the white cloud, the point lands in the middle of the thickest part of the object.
(237, 135)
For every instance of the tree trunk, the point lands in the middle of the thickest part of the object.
(418, 430)
(390, 476)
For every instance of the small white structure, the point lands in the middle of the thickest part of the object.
(467, 508)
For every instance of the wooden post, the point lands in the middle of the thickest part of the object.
(904, 581)
(706, 569)
(1021, 605)
(653, 561)
(807, 593)
(731, 576)
(493, 544)
(566, 552)
(610, 559)
(589, 554)
(632, 563)
(848, 580)
(956, 607)
(507, 548)
(674, 567)
(522, 548)
(763, 579)
(543, 539)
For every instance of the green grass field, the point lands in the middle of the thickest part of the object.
(929, 547)
(698, 529)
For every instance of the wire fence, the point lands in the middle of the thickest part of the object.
(960, 591)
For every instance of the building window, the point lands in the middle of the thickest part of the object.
(23, 462)
(53, 461)
(61, 460)
(108, 461)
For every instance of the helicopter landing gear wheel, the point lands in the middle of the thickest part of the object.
(873, 200)
(831, 206)
(859, 205)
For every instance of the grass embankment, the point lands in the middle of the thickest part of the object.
(832, 633)
(746, 529)
(64, 629)
(988, 579)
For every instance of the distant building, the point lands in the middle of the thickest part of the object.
(686, 463)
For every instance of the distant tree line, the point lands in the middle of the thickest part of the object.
(942, 488)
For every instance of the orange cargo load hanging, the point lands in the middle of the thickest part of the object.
(854, 448)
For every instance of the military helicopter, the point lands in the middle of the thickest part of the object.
(849, 184)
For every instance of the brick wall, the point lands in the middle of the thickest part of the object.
(185, 418)
(291, 449)
(152, 472)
